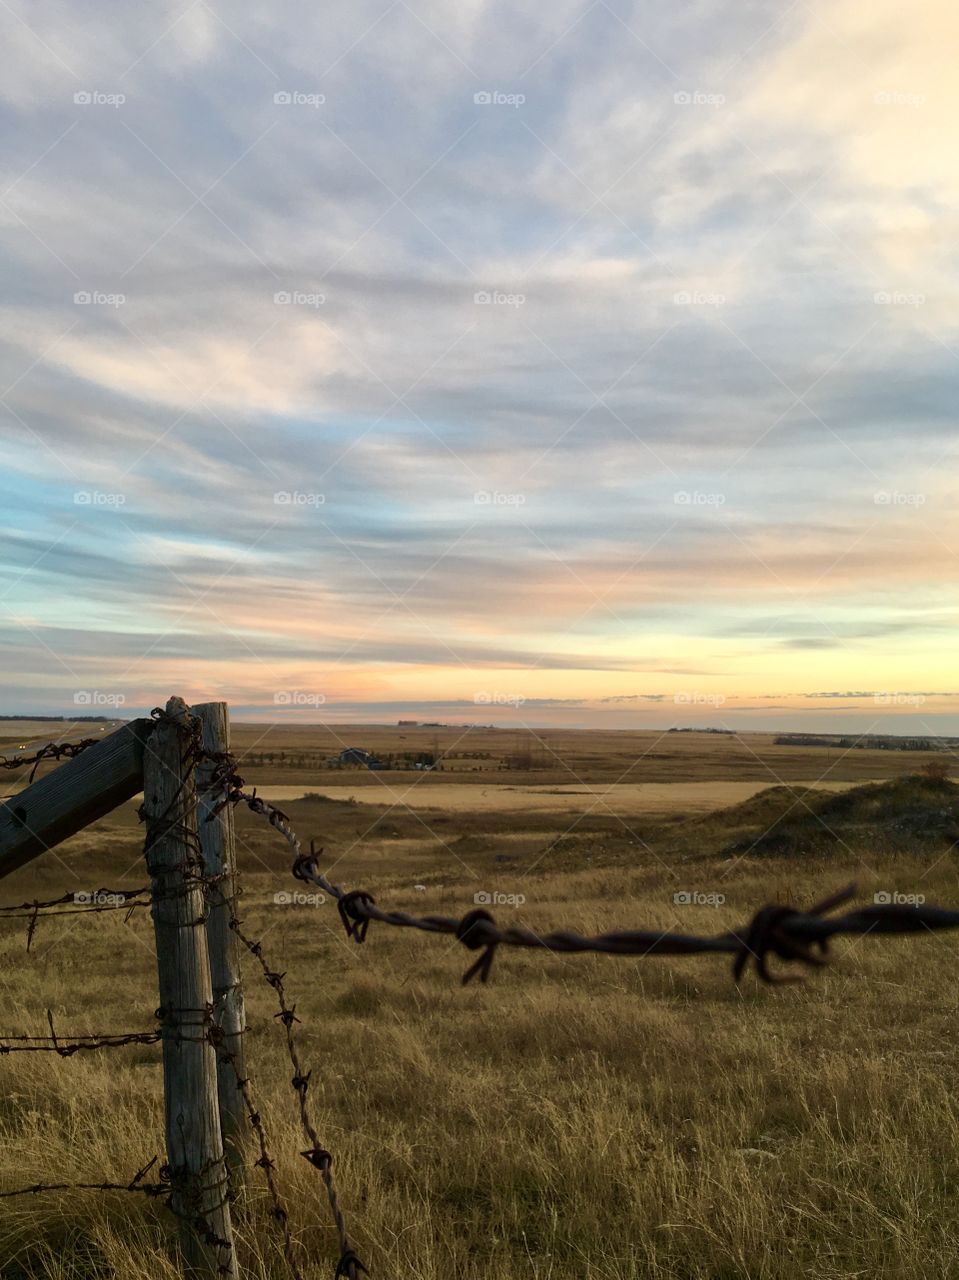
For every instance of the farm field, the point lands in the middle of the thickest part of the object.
(288, 754)
(592, 1117)
(422, 794)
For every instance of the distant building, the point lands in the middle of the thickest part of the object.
(408, 724)
(358, 757)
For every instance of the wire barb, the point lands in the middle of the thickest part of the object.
(52, 751)
(349, 1264)
(136, 1183)
(472, 931)
(354, 922)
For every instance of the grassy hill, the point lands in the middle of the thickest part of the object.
(913, 814)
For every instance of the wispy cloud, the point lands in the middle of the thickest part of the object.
(402, 343)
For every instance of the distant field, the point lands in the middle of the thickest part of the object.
(422, 793)
(294, 753)
(298, 753)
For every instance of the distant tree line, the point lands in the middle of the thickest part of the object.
(63, 719)
(696, 729)
(874, 742)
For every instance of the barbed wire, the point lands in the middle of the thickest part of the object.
(101, 1040)
(52, 751)
(52, 1044)
(775, 930)
(136, 1183)
(224, 782)
(265, 1162)
(349, 1265)
(83, 899)
(74, 904)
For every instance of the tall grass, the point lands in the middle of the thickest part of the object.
(595, 1117)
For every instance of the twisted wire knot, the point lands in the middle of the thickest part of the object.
(348, 1266)
(354, 922)
(768, 933)
(473, 933)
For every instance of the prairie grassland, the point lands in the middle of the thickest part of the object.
(596, 1117)
(292, 753)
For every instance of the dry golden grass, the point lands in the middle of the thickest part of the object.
(596, 1117)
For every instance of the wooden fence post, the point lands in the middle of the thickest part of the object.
(193, 1135)
(75, 794)
(218, 846)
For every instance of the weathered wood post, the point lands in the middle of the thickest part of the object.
(218, 846)
(75, 794)
(193, 1135)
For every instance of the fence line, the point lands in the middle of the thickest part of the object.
(193, 879)
(349, 1264)
(52, 1044)
(174, 819)
(775, 929)
(83, 900)
(136, 1183)
(73, 904)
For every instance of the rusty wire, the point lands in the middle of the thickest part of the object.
(265, 1162)
(52, 1044)
(190, 1193)
(105, 1040)
(136, 1183)
(82, 900)
(52, 751)
(349, 1264)
(775, 930)
(73, 904)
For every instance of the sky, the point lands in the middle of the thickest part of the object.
(573, 364)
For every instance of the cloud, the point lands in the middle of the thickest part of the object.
(652, 370)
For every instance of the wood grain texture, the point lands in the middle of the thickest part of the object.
(218, 847)
(193, 1135)
(72, 795)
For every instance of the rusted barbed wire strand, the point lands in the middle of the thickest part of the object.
(82, 900)
(52, 751)
(349, 1264)
(51, 1044)
(265, 1162)
(106, 1040)
(99, 900)
(136, 1183)
(226, 783)
(73, 904)
(775, 930)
